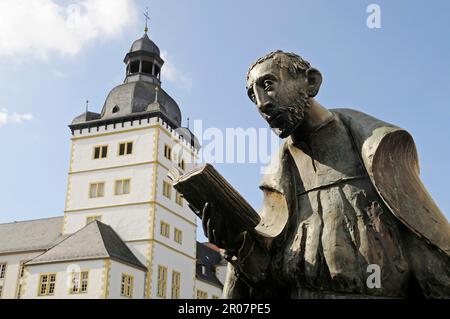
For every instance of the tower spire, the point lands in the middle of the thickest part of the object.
(147, 17)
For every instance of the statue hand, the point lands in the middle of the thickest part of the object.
(221, 231)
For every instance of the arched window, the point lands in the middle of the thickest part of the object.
(147, 67)
(134, 67)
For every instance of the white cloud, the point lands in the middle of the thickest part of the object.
(39, 28)
(173, 74)
(14, 118)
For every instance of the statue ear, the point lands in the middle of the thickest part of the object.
(314, 81)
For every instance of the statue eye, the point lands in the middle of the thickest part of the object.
(268, 85)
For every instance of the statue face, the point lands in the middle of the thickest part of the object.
(282, 100)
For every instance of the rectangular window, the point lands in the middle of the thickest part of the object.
(1, 290)
(125, 148)
(167, 189)
(182, 165)
(165, 229)
(179, 199)
(2, 270)
(167, 152)
(162, 281)
(90, 219)
(100, 152)
(96, 190)
(122, 187)
(201, 294)
(47, 284)
(80, 282)
(215, 297)
(178, 236)
(176, 278)
(127, 286)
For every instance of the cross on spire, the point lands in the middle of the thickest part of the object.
(147, 18)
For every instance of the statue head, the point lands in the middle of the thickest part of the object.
(281, 85)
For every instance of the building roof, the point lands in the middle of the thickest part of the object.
(95, 241)
(30, 235)
(140, 96)
(207, 260)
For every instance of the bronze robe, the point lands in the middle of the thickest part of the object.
(324, 226)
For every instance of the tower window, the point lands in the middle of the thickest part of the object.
(125, 148)
(157, 70)
(165, 229)
(162, 282)
(179, 199)
(167, 190)
(176, 278)
(147, 67)
(182, 165)
(122, 187)
(134, 67)
(178, 236)
(167, 152)
(96, 190)
(100, 152)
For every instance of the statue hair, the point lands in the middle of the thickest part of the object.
(294, 63)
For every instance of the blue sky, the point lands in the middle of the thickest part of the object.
(399, 73)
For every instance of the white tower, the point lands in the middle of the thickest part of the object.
(118, 174)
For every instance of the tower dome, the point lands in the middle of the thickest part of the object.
(141, 91)
(145, 44)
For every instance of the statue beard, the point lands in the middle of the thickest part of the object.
(292, 116)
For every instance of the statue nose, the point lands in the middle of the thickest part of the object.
(262, 100)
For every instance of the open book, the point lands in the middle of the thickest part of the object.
(204, 184)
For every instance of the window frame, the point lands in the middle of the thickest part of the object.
(201, 293)
(127, 286)
(100, 152)
(161, 290)
(125, 148)
(3, 269)
(179, 199)
(96, 183)
(164, 229)
(176, 285)
(79, 274)
(178, 239)
(122, 181)
(167, 190)
(168, 152)
(47, 285)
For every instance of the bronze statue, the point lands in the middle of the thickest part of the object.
(342, 200)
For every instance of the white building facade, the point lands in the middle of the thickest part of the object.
(126, 233)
